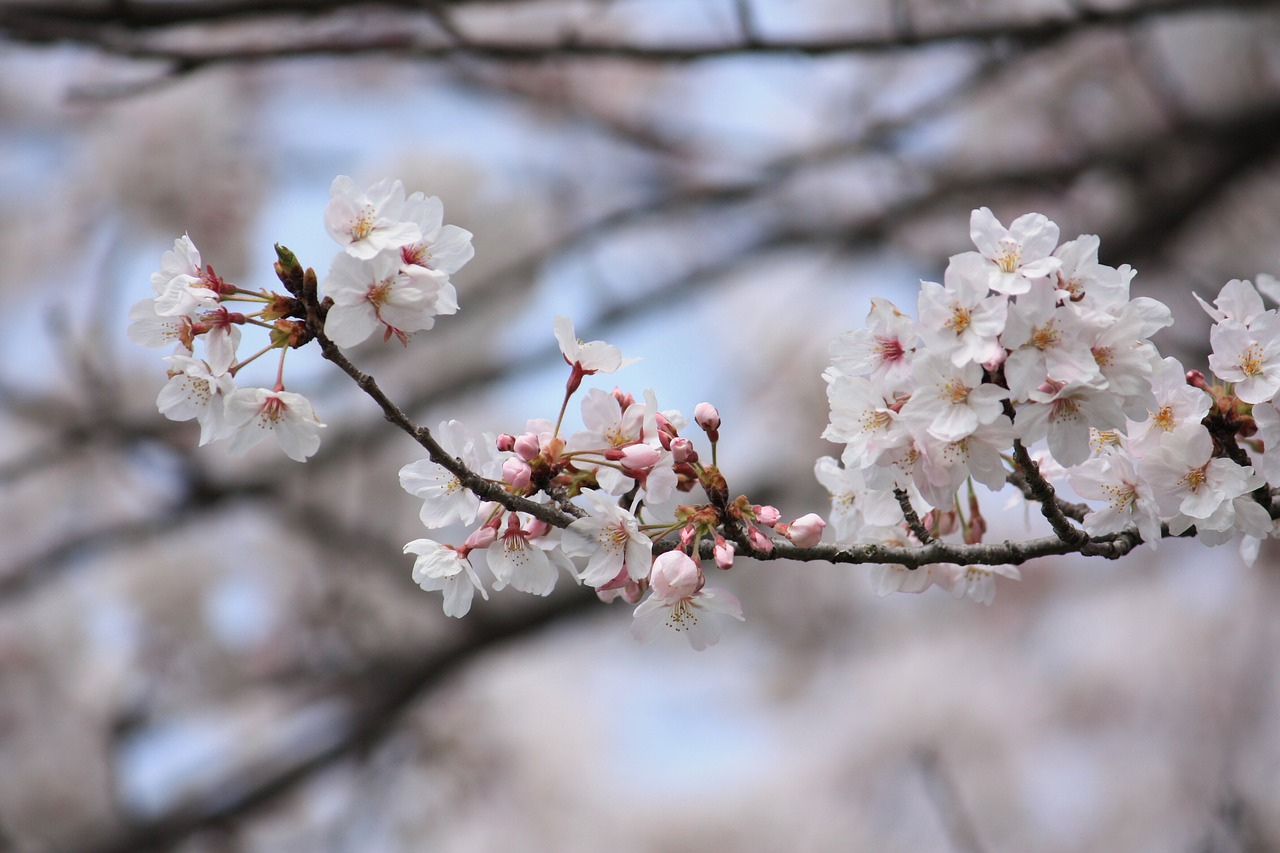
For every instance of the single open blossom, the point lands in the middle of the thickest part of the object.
(443, 568)
(861, 419)
(380, 292)
(181, 285)
(1047, 342)
(882, 350)
(1087, 285)
(853, 503)
(1249, 356)
(253, 413)
(951, 402)
(1176, 404)
(444, 498)
(1018, 255)
(1189, 479)
(679, 599)
(589, 358)
(960, 320)
(522, 556)
(610, 538)
(1130, 498)
(444, 248)
(1063, 412)
(367, 222)
(194, 390)
(148, 328)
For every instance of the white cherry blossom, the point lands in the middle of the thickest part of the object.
(1249, 356)
(194, 390)
(181, 285)
(380, 292)
(882, 350)
(610, 538)
(444, 498)
(1018, 255)
(367, 222)
(960, 319)
(442, 568)
(590, 358)
(444, 248)
(254, 413)
(1130, 498)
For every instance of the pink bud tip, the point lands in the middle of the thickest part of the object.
(707, 416)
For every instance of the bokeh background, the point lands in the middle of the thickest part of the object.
(204, 653)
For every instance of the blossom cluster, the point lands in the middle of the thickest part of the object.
(1030, 362)
(623, 469)
(1027, 341)
(393, 273)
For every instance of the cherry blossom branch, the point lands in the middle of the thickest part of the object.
(303, 287)
(113, 28)
(913, 521)
(1044, 494)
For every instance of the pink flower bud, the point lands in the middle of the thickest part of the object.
(624, 398)
(682, 450)
(767, 515)
(759, 541)
(675, 575)
(517, 472)
(527, 446)
(506, 442)
(686, 535)
(639, 457)
(707, 417)
(724, 553)
(481, 537)
(806, 531)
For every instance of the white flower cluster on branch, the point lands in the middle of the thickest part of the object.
(1027, 343)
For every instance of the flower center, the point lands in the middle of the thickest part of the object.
(875, 420)
(1195, 478)
(1164, 419)
(1123, 495)
(682, 616)
(960, 319)
(362, 225)
(1008, 255)
(380, 292)
(415, 254)
(890, 349)
(1250, 361)
(955, 392)
(1043, 337)
(1064, 409)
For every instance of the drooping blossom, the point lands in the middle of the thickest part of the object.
(254, 413)
(679, 599)
(443, 568)
(194, 390)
